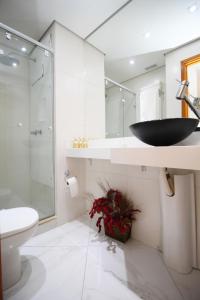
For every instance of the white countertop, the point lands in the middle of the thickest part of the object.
(130, 151)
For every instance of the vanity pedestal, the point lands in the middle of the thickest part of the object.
(178, 224)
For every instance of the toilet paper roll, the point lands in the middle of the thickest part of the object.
(72, 184)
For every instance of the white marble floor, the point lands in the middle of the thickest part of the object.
(73, 262)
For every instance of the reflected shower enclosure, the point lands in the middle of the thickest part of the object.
(26, 124)
(120, 105)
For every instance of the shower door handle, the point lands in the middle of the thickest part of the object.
(36, 132)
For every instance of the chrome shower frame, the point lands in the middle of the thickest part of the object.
(25, 37)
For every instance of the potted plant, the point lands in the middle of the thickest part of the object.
(116, 212)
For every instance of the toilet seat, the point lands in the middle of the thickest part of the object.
(16, 220)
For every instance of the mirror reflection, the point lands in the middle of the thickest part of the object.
(145, 56)
(140, 98)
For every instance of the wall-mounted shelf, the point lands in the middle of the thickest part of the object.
(180, 157)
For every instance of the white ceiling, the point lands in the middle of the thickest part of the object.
(33, 17)
(122, 37)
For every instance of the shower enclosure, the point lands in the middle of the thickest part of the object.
(26, 124)
(120, 103)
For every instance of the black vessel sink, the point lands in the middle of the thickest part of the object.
(164, 132)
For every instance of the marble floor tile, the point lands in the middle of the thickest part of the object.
(75, 233)
(127, 272)
(74, 262)
(188, 284)
(50, 273)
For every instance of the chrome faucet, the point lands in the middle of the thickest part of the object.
(182, 95)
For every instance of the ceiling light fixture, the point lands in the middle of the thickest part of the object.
(192, 8)
(131, 62)
(147, 35)
(14, 64)
(23, 49)
(1, 51)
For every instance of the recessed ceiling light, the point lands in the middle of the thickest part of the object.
(147, 35)
(14, 64)
(23, 49)
(131, 62)
(192, 8)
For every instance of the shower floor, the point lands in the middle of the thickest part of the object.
(72, 261)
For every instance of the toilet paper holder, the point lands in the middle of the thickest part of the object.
(72, 184)
(68, 175)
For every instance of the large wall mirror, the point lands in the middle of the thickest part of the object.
(144, 57)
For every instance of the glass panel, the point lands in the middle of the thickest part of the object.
(120, 111)
(26, 126)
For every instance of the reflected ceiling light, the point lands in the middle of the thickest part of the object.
(120, 89)
(1, 51)
(14, 64)
(23, 49)
(131, 62)
(8, 35)
(46, 53)
(123, 100)
(192, 8)
(147, 35)
(106, 82)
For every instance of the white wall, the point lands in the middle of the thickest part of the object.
(173, 72)
(141, 186)
(79, 108)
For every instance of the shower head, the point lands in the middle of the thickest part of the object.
(9, 61)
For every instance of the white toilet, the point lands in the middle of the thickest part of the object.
(17, 225)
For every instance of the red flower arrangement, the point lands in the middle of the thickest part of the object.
(117, 213)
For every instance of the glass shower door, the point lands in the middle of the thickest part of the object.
(41, 133)
(26, 125)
